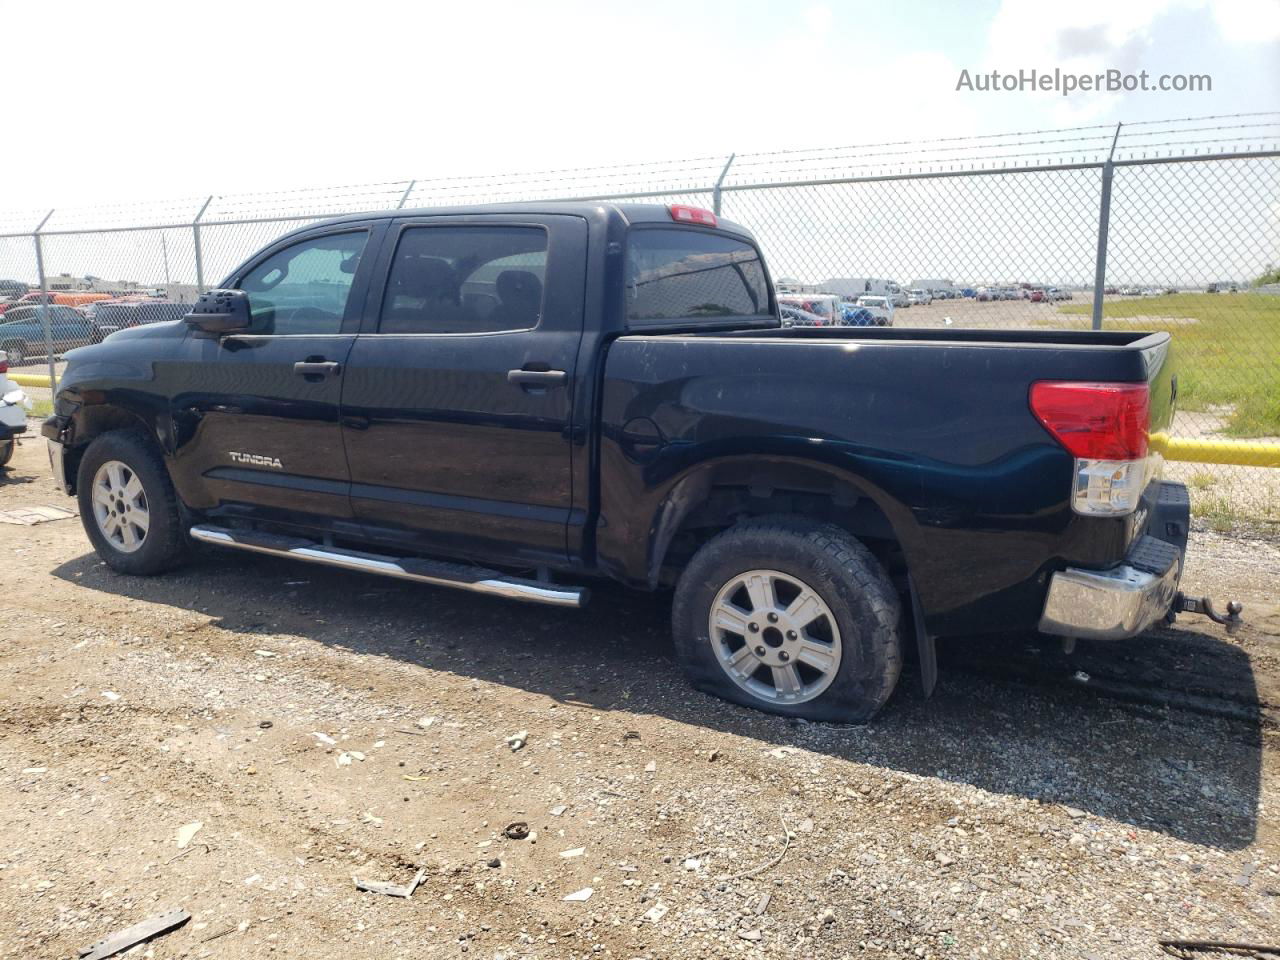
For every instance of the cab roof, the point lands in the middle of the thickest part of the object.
(629, 213)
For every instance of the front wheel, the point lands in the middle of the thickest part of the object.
(6, 451)
(128, 505)
(790, 616)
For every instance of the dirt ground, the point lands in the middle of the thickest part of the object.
(322, 726)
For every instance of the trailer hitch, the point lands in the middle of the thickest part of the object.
(1184, 604)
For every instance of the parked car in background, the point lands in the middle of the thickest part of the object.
(1150, 292)
(919, 297)
(856, 316)
(13, 289)
(793, 316)
(1057, 293)
(899, 298)
(106, 318)
(1036, 294)
(881, 308)
(13, 412)
(1130, 291)
(22, 331)
(825, 305)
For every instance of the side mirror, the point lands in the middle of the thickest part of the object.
(218, 312)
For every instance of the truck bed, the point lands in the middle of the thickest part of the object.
(934, 425)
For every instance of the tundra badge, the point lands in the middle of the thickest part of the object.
(256, 459)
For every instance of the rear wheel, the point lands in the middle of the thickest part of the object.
(128, 505)
(790, 616)
(6, 451)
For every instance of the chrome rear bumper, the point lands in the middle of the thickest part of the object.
(1127, 599)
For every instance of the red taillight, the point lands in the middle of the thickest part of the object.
(1095, 421)
(682, 214)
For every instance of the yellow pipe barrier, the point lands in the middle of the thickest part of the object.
(1239, 453)
(28, 379)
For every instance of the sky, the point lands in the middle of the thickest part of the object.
(145, 100)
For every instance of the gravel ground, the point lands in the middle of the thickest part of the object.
(323, 726)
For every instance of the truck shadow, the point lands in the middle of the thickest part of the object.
(1163, 732)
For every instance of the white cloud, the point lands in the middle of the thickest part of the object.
(1246, 22)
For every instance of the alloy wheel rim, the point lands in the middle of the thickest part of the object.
(775, 637)
(120, 506)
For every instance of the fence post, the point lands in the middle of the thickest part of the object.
(195, 237)
(715, 191)
(44, 305)
(1104, 227)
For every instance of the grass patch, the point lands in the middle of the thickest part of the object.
(1230, 355)
(1201, 481)
(40, 408)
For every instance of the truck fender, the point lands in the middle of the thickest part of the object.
(683, 497)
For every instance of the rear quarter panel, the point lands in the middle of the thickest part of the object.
(939, 435)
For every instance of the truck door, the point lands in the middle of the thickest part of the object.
(257, 413)
(457, 404)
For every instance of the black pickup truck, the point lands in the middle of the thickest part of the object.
(517, 399)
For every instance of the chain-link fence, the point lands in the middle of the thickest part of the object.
(1171, 226)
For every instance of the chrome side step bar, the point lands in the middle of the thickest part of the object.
(435, 572)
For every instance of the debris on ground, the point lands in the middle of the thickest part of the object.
(579, 896)
(186, 833)
(1180, 948)
(655, 913)
(786, 845)
(516, 831)
(132, 936)
(518, 740)
(575, 852)
(29, 516)
(391, 889)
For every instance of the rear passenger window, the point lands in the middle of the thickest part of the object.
(688, 274)
(452, 279)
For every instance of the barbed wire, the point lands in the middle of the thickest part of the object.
(690, 174)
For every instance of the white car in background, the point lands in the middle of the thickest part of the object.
(880, 307)
(13, 412)
(919, 297)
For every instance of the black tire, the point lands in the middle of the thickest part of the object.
(6, 451)
(847, 578)
(165, 544)
(17, 352)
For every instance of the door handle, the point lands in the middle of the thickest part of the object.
(537, 378)
(322, 368)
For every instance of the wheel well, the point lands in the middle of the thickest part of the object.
(92, 422)
(728, 493)
(99, 418)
